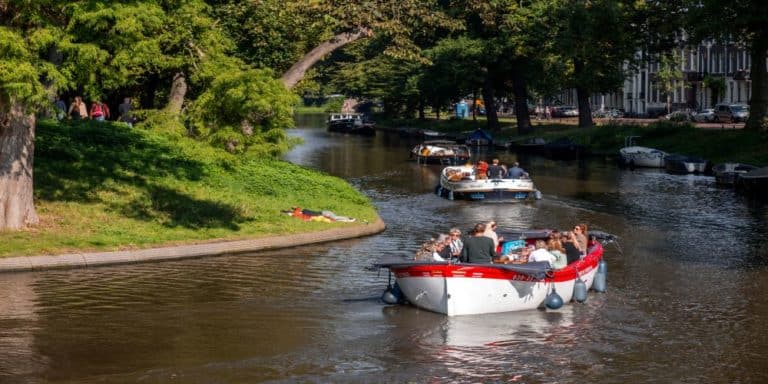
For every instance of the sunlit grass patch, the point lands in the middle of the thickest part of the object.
(102, 186)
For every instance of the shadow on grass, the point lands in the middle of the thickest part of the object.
(174, 209)
(75, 160)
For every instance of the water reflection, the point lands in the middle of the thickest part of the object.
(18, 321)
(684, 300)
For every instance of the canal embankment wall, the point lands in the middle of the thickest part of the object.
(220, 248)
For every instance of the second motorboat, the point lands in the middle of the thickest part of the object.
(463, 183)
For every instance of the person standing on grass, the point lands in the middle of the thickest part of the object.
(77, 109)
(124, 111)
(99, 111)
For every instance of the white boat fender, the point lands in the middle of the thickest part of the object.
(537, 194)
(579, 290)
(553, 300)
(599, 285)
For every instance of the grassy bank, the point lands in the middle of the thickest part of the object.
(715, 145)
(102, 186)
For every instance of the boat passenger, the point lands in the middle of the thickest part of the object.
(542, 254)
(456, 243)
(490, 231)
(478, 248)
(481, 170)
(516, 172)
(426, 252)
(442, 248)
(580, 230)
(572, 252)
(555, 247)
(454, 174)
(496, 170)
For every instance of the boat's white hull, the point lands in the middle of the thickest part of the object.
(476, 289)
(469, 188)
(642, 157)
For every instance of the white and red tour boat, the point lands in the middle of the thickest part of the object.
(457, 289)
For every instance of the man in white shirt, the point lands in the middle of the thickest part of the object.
(541, 253)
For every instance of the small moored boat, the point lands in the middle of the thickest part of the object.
(726, 173)
(462, 182)
(754, 182)
(478, 137)
(531, 145)
(636, 156)
(457, 289)
(353, 123)
(440, 152)
(677, 163)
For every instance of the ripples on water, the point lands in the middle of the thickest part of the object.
(684, 300)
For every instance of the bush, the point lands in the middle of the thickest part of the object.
(244, 111)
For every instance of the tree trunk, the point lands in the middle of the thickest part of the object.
(582, 97)
(17, 148)
(489, 97)
(585, 111)
(521, 104)
(421, 109)
(758, 104)
(178, 92)
(298, 70)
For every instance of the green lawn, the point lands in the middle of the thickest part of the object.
(103, 186)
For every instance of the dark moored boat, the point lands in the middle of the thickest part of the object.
(533, 145)
(676, 163)
(727, 173)
(754, 182)
(563, 148)
(353, 123)
(478, 137)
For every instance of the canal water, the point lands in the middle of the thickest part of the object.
(685, 299)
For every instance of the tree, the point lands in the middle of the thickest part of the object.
(401, 22)
(716, 85)
(244, 111)
(21, 94)
(670, 76)
(737, 21)
(597, 39)
(93, 47)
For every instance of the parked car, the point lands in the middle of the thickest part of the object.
(706, 115)
(570, 112)
(733, 113)
(564, 111)
(678, 116)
